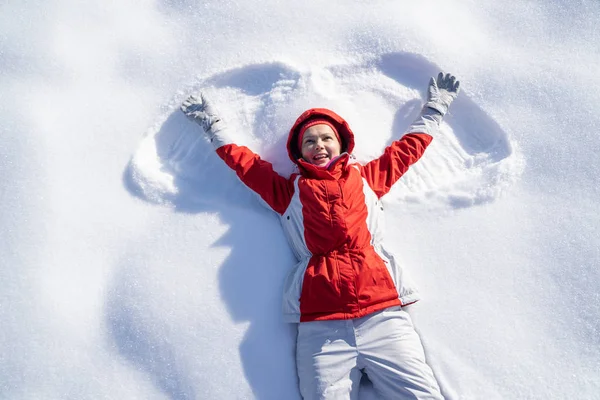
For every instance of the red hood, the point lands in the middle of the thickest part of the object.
(338, 122)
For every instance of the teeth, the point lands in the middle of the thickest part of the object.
(320, 156)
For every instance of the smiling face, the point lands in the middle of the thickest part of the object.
(320, 145)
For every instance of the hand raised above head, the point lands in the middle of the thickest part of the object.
(200, 111)
(442, 92)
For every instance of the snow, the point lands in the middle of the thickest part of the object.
(134, 265)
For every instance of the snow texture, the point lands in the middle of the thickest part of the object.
(135, 265)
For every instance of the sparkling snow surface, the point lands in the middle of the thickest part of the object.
(134, 264)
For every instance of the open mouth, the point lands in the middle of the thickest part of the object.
(319, 157)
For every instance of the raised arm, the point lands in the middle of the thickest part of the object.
(384, 171)
(255, 173)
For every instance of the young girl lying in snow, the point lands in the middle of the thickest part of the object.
(347, 291)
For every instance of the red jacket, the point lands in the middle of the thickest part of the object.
(333, 219)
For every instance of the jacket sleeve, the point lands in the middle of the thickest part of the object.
(275, 190)
(384, 171)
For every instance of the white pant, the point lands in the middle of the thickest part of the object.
(331, 356)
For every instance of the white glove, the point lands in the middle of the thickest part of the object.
(201, 112)
(442, 92)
